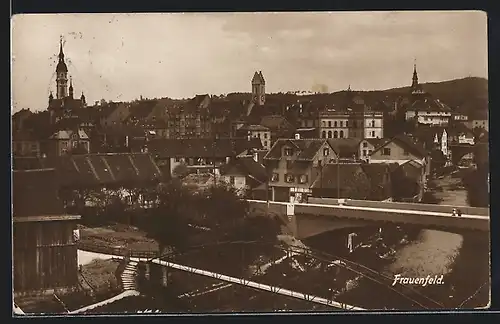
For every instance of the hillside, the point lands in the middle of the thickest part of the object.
(455, 92)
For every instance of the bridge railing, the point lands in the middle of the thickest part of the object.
(118, 250)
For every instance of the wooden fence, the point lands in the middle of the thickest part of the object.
(119, 250)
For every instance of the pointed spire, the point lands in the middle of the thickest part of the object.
(61, 53)
(349, 88)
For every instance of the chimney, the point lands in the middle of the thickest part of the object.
(256, 156)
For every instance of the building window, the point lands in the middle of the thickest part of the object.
(365, 144)
(369, 152)
(326, 152)
(324, 123)
(364, 152)
(341, 134)
(335, 134)
(34, 147)
(265, 135)
(373, 133)
(177, 159)
(346, 123)
(329, 134)
(323, 134)
(341, 123)
(231, 180)
(275, 177)
(335, 124)
(303, 178)
(288, 151)
(386, 151)
(265, 143)
(289, 178)
(289, 164)
(329, 123)
(373, 123)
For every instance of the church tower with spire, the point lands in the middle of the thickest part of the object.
(61, 75)
(415, 88)
(258, 89)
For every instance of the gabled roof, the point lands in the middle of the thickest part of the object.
(343, 174)
(141, 109)
(345, 147)
(376, 142)
(258, 78)
(409, 144)
(105, 169)
(67, 134)
(308, 148)
(208, 148)
(254, 128)
(35, 193)
(376, 171)
(246, 166)
(275, 122)
(428, 104)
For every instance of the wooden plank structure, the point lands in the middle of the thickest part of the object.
(44, 248)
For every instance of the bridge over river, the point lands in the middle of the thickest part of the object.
(323, 215)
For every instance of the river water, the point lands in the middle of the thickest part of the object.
(461, 258)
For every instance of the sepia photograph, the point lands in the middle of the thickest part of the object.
(258, 162)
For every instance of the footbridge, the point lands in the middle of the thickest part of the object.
(323, 215)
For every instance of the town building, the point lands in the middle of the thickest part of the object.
(44, 247)
(258, 89)
(244, 174)
(294, 164)
(350, 117)
(198, 155)
(401, 150)
(68, 142)
(25, 143)
(258, 131)
(368, 145)
(190, 119)
(423, 109)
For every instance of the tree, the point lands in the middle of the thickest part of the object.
(168, 222)
(438, 160)
(358, 187)
(180, 171)
(223, 207)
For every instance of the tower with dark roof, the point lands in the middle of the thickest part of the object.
(62, 75)
(258, 88)
(70, 88)
(416, 88)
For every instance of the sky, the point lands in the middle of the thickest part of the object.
(121, 57)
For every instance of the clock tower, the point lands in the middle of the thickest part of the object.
(258, 89)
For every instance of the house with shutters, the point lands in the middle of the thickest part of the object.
(294, 164)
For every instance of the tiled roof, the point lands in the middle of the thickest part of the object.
(429, 104)
(308, 148)
(376, 142)
(275, 122)
(246, 166)
(255, 128)
(141, 109)
(407, 143)
(193, 147)
(35, 193)
(105, 169)
(66, 134)
(345, 147)
(344, 174)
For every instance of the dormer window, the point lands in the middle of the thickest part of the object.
(326, 152)
(275, 177)
(289, 178)
(288, 151)
(303, 178)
